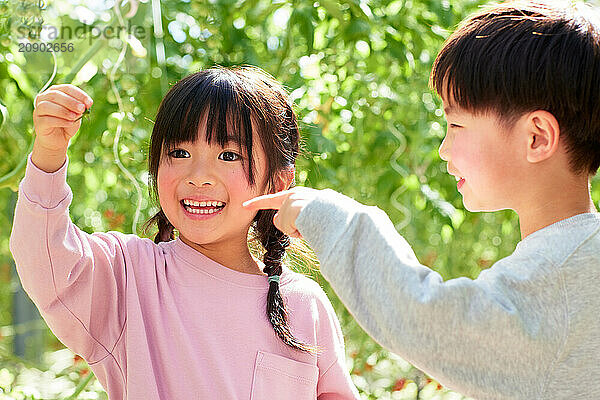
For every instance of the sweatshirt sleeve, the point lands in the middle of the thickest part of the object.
(76, 280)
(334, 382)
(495, 337)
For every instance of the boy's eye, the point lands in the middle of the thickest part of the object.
(455, 126)
(229, 156)
(179, 153)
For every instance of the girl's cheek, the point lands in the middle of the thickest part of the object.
(240, 187)
(240, 183)
(165, 181)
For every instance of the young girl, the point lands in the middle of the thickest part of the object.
(192, 315)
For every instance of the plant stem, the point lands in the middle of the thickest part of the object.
(81, 386)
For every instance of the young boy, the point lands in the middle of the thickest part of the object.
(520, 85)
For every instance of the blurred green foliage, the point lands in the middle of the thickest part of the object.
(358, 74)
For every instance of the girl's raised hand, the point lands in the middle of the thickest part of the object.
(56, 114)
(56, 119)
(289, 203)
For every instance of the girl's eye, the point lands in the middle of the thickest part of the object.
(229, 156)
(179, 153)
(455, 126)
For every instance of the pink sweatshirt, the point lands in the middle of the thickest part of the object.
(164, 321)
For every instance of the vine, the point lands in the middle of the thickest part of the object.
(126, 172)
(394, 162)
(12, 177)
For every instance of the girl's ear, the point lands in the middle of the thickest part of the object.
(285, 178)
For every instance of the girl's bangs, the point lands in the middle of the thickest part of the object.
(222, 108)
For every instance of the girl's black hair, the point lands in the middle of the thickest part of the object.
(233, 100)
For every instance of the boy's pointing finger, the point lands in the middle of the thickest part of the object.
(267, 201)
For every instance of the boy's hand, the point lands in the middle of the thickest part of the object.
(56, 119)
(288, 202)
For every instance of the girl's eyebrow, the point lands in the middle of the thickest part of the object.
(233, 139)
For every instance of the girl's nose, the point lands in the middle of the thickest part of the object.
(200, 175)
(199, 183)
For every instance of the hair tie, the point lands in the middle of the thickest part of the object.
(273, 278)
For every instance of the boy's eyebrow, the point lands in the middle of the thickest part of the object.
(449, 110)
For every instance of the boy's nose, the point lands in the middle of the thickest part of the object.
(444, 149)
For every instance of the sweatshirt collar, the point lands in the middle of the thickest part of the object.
(199, 262)
(579, 219)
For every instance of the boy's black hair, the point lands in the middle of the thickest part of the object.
(520, 57)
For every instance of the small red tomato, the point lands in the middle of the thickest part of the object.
(399, 385)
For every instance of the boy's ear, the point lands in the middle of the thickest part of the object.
(543, 134)
(285, 178)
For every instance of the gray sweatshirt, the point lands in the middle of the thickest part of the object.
(526, 328)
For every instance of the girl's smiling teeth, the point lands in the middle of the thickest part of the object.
(202, 207)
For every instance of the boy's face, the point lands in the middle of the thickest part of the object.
(486, 158)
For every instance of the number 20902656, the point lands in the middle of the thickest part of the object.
(45, 47)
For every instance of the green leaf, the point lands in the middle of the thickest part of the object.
(333, 8)
(357, 29)
(301, 18)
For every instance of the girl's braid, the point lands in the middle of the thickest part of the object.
(275, 242)
(165, 229)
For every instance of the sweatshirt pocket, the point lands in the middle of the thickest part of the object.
(281, 378)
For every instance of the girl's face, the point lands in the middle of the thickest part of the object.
(201, 189)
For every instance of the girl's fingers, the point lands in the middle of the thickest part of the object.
(75, 92)
(49, 122)
(60, 98)
(69, 96)
(52, 109)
